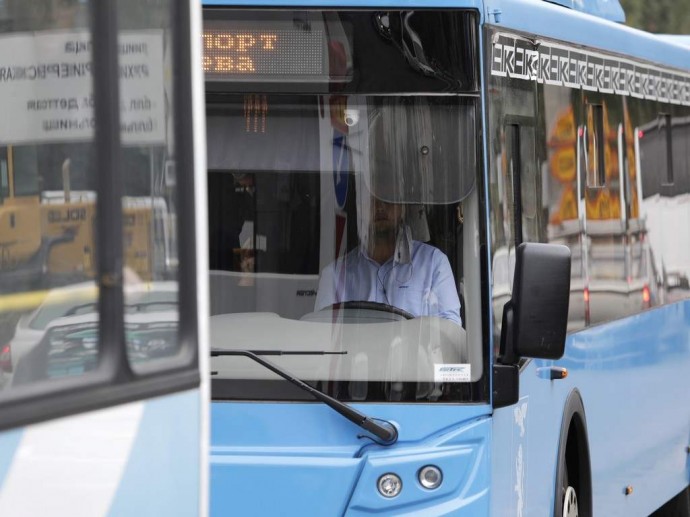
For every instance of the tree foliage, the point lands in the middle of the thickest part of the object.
(660, 16)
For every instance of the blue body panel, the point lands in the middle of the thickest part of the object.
(315, 464)
(164, 460)
(8, 448)
(141, 458)
(608, 9)
(632, 376)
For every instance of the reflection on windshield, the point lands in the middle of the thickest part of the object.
(60, 337)
(49, 179)
(335, 223)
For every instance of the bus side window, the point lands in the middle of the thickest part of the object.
(666, 129)
(513, 173)
(519, 194)
(521, 180)
(530, 187)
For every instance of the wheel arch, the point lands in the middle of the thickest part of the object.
(573, 451)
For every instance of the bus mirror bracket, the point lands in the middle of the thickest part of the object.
(535, 319)
(505, 385)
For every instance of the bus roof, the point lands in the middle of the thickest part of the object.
(679, 39)
(607, 9)
(548, 20)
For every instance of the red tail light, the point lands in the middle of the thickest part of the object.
(585, 295)
(6, 359)
(646, 297)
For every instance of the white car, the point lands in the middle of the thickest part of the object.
(77, 305)
(70, 345)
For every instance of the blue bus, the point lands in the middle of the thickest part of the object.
(103, 392)
(407, 258)
(448, 259)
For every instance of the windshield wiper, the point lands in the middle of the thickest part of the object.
(385, 431)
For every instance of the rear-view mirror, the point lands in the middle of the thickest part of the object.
(536, 317)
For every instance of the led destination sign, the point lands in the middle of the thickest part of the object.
(275, 51)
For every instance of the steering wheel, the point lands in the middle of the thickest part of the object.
(370, 306)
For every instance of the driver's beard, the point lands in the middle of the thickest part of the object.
(382, 236)
(379, 240)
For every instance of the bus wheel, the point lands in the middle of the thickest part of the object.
(574, 477)
(570, 503)
(570, 508)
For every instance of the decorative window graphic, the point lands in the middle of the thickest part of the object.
(583, 69)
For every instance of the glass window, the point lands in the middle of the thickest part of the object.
(26, 171)
(530, 186)
(513, 176)
(516, 196)
(343, 218)
(336, 233)
(48, 321)
(149, 213)
(50, 317)
(521, 169)
(666, 122)
(656, 151)
(607, 259)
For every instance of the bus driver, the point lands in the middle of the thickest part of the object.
(390, 267)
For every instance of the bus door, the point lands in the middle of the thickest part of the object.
(101, 392)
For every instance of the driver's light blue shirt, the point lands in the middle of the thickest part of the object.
(423, 286)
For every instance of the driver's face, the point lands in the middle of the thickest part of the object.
(385, 216)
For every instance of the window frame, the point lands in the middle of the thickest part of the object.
(518, 125)
(665, 121)
(5, 176)
(595, 179)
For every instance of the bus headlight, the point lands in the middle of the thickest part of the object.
(389, 485)
(430, 477)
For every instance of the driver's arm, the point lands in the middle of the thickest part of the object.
(443, 299)
(325, 296)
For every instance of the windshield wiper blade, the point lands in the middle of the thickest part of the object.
(385, 431)
(282, 352)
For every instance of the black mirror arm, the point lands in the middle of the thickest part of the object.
(507, 353)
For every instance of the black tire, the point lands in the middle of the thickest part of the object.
(574, 477)
(569, 503)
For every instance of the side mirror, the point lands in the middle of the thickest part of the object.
(536, 317)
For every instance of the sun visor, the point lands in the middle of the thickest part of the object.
(416, 149)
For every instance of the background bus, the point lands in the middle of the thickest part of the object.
(98, 287)
(533, 157)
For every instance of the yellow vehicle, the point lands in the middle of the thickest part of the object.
(47, 233)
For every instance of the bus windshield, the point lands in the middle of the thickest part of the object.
(341, 228)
